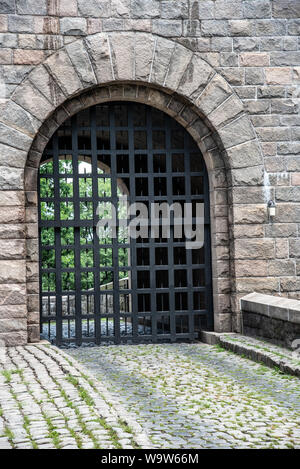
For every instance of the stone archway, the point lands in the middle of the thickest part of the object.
(131, 66)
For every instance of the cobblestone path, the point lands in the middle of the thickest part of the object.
(161, 396)
(199, 396)
(46, 401)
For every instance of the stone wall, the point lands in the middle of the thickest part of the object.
(275, 319)
(252, 44)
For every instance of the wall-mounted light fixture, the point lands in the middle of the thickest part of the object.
(272, 208)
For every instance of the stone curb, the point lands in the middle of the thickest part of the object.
(238, 344)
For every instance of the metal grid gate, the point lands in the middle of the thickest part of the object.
(116, 289)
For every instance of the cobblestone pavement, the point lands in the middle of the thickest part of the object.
(48, 402)
(163, 396)
(199, 396)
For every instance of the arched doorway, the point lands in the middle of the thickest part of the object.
(116, 288)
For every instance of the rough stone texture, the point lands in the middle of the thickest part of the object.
(236, 61)
(276, 319)
(198, 395)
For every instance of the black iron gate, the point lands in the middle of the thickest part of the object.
(112, 288)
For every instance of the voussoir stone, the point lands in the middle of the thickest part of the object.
(238, 131)
(62, 69)
(227, 111)
(81, 61)
(99, 51)
(33, 101)
(244, 155)
(195, 78)
(144, 48)
(47, 85)
(178, 64)
(162, 56)
(122, 49)
(216, 92)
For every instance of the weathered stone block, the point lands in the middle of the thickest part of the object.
(145, 8)
(12, 215)
(143, 55)
(237, 132)
(20, 24)
(12, 157)
(213, 28)
(273, 134)
(254, 76)
(81, 62)
(206, 9)
(241, 196)
(257, 284)
(16, 116)
(174, 10)
(195, 78)
(14, 138)
(226, 112)
(13, 297)
(285, 58)
(216, 92)
(12, 339)
(99, 52)
(286, 8)
(167, 28)
(281, 230)
(294, 27)
(257, 9)
(178, 64)
(33, 333)
(250, 176)
(11, 178)
(254, 249)
(33, 101)
(250, 214)
(122, 47)
(241, 27)
(271, 28)
(281, 268)
(288, 194)
(242, 44)
(13, 324)
(246, 268)
(12, 249)
(73, 26)
(254, 59)
(46, 84)
(31, 7)
(12, 271)
(62, 69)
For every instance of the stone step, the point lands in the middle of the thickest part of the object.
(256, 349)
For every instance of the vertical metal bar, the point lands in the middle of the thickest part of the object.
(78, 318)
(171, 291)
(207, 252)
(96, 247)
(57, 241)
(151, 240)
(188, 198)
(132, 242)
(114, 195)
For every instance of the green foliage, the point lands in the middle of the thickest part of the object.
(66, 234)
